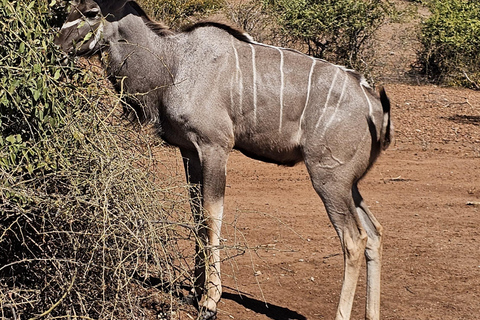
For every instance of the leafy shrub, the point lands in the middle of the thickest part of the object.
(253, 17)
(86, 227)
(336, 30)
(451, 42)
(28, 109)
(177, 12)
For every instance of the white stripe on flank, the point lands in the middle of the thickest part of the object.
(338, 105)
(238, 77)
(71, 23)
(254, 68)
(282, 87)
(234, 77)
(249, 37)
(232, 103)
(308, 90)
(328, 98)
(237, 62)
(370, 111)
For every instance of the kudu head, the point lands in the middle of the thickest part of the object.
(82, 32)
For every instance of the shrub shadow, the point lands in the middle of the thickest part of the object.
(464, 119)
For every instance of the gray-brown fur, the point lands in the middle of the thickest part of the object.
(211, 88)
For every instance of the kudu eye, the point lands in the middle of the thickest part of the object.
(92, 13)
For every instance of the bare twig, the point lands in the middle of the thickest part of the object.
(470, 80)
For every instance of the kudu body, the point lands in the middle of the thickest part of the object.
(210, 89)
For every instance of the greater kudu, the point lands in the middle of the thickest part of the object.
(210, 89)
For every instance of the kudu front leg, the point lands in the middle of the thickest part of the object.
(208, 166)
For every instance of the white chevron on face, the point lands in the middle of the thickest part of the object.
(70, 24)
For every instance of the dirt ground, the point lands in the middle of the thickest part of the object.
(425, 190)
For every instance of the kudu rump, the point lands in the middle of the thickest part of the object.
(211, 88)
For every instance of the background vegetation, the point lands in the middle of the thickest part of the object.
(340, 31)
(450, 39)
(177, 12)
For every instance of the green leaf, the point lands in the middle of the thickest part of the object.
(57, 74)
(12, 139)
(88, 36)
(36, 94)
(37, 68)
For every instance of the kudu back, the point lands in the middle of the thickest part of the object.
(210, 89)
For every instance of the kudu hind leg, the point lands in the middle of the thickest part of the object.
(373, 255)
(342, 212)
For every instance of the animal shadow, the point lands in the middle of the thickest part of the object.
(270, 310)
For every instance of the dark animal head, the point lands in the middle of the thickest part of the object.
(83, 31)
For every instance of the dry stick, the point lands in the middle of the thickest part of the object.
(253, 268)
(471, 81)
(56, 303)
(116, 104)
(8, 229)
(473, 203)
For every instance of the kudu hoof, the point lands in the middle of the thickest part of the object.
(190, 299)
(204, 314)
(208, 315)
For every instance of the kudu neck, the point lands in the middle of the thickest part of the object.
(132, 44)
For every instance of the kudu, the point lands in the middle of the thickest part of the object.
(210, 88)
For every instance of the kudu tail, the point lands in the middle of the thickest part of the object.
(386, 134)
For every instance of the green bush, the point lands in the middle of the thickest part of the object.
(86, 227)
(254, 17)
(177, 12)
(451, 42)
(28, 109)
(336, 30)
